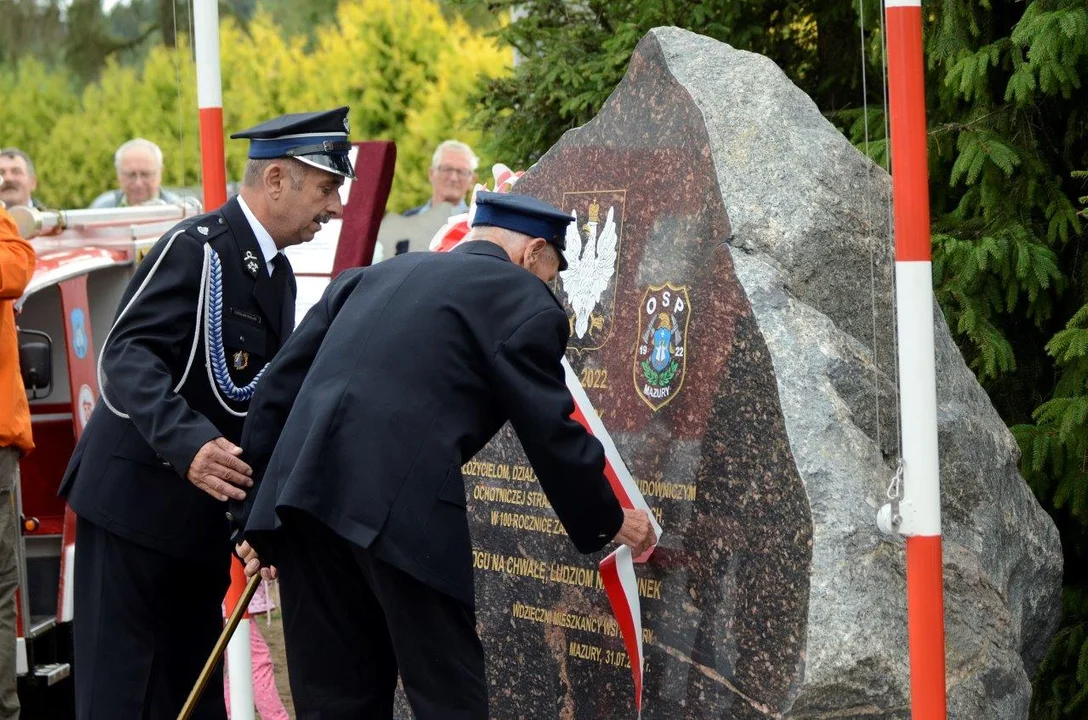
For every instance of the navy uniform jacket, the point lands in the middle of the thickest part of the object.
(397, 377)
(128, 475)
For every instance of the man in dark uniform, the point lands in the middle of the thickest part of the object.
(357, 434)
(208, 307)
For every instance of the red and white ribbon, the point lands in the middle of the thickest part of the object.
(618, 570)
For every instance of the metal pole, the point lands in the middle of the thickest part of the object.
(33, 222)
(919, 512)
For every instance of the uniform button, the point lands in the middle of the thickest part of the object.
(241, 338)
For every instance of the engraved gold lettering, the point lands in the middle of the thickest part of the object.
(510, 565)
(599, 625)
(535, 498)
(666, 490)
(493, 493)
(649, 588)
(571, 575)
(616, 657)
(524, 472)
(596, 378)
(585, 652)
(477, 468)
(534, 523)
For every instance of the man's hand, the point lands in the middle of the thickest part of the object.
(636, 531)
(219, 471)
(252, 562)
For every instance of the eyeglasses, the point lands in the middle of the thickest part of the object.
(138, 174)
(459, 172)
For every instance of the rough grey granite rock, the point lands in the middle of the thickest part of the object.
(809, 215)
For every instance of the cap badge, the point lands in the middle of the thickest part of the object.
(347, 125)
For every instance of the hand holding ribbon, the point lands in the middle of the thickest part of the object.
(637, 532)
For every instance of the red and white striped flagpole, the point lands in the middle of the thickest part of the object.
(213, 167)
(209, 95)
(919, 512)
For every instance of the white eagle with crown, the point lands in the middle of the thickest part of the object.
(589, 269)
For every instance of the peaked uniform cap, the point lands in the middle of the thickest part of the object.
(526, 215)
(319, 139)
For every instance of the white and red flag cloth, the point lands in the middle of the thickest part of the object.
(618, 569)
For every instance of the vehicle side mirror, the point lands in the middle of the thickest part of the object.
(36, 364)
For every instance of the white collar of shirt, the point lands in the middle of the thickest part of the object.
(264, 240)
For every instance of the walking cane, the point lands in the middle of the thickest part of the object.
(220, 646)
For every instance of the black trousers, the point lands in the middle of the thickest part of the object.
(352, 622)
(144, 625)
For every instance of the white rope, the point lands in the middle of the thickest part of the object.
(131, 302)
(196, 325)
(890, 224)
(895, 486)
(889, 227)
(869, 218)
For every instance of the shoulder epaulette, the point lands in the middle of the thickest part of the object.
(205, 227)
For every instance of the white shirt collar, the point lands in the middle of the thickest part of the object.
(264, 240)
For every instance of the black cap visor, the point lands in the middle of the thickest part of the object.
(336, 164)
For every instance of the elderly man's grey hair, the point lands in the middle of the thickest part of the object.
(137, 143)
(456, 146)
(509, 240)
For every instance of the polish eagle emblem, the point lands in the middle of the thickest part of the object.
(590, 267)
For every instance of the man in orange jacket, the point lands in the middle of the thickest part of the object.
(16, 267)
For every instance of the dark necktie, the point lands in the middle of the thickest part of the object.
(285, 286)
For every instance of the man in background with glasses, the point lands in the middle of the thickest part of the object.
(452, 173)
(139, 173)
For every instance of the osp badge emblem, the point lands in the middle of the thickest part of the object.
(661, 351)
